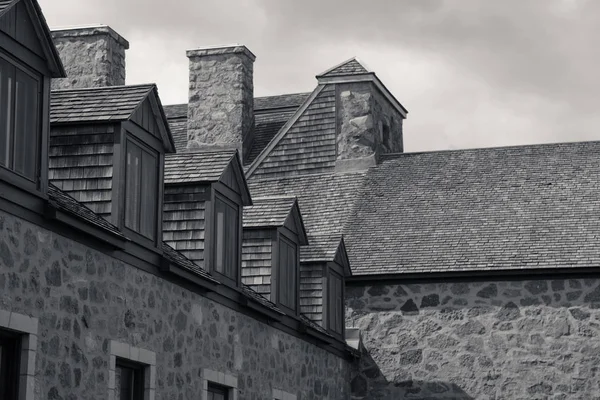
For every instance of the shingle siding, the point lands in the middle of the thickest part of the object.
(257, 247)
(81, 164)
(309, 146)
(311, 291)
(184, 220)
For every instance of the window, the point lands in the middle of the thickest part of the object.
(281, 395)
(141, 190)
(18, 349)
(335, 303)
(226, 237)
(217, 392)
(218, 386)
(10, 353)
(286, 285)
(129, 380)
(19, 120)
(132, 372)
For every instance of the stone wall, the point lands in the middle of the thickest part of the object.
(535, 339)
(368, 124)
(221, 97)
(83, 299)
(92, 57)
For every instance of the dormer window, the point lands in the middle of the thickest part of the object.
(19, 120)
(226, 239)
(335, 303)
(287, 282)
(141, 183)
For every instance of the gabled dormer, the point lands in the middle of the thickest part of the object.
(204, 195)
(107, 150)
(28, 60)
(324, 267)
(273, 234)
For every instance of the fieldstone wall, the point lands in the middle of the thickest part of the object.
(92, 57)
(356, 136)
(389, 125)
(83, 299)
(221, 97)
(534, 339)
(368, 124)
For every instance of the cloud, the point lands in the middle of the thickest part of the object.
(472, 73)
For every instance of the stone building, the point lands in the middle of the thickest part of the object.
(281, 247)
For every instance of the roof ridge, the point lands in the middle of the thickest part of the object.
(367, 70)
(275, 198)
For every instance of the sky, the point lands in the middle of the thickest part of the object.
(472, 73)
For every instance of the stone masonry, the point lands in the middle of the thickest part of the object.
(92, 57)
(522, 339)
(368, 125)
(221, 97)
(84, 299)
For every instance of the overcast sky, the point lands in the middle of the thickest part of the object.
(472, 73)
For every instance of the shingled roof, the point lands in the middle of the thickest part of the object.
(64, 202)
(268, 212)
(352, 66)
(116, 103)
(326, 202)
(488, 209)
(197, 166)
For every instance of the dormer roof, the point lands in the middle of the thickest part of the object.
(205, 167)
(275, 212)
(110, 104)
(352, 66)
(8, 9)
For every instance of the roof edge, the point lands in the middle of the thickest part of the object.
(281, 133)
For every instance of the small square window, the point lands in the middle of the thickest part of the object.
(10, 360)
(217, 392)
(129, 380)
(218, 386)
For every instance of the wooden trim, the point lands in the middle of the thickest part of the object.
(117, 214)
(284, 129)
(45, 136)
(190, 276)
(143, 136)
(26, 57)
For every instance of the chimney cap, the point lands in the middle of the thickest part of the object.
(89, 30)
(221, 50)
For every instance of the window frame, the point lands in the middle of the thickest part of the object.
(131, 133)
(125, 354)
(25, 329)
(37, 185)
(333, 272)
(219, 380)
(138, 371)
(233, 200)
(286, 236)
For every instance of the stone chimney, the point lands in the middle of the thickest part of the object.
(221, 97)
(93, 57)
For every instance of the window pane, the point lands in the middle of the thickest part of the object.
(26, 120)
(133, 187)
(149, 198)
(287, 274)
(129, 381)
(335, 306)
(216, 392)
(10, 351)
(6, 113)
(226, 239)
(220, 236)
